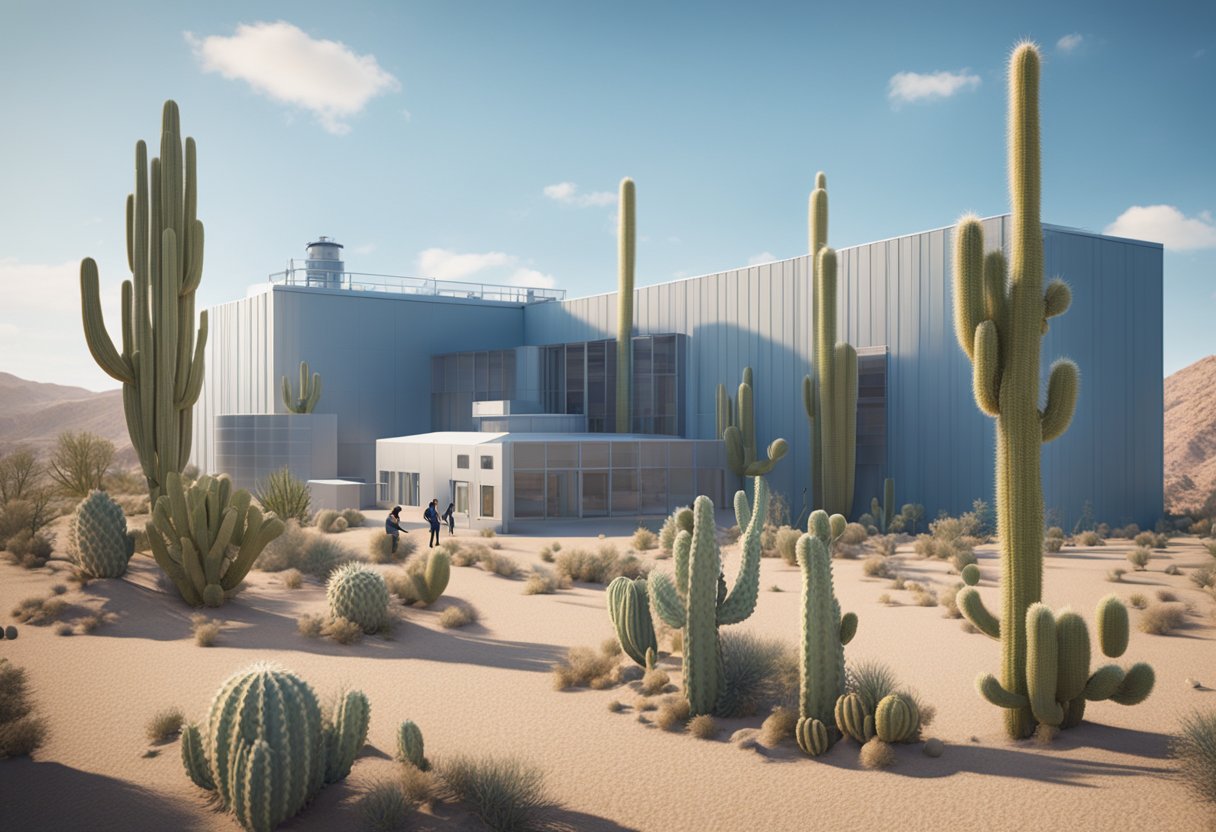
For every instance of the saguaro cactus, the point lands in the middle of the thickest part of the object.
(830, 395)
(310, 392)
(192, 530)
(740, 433)
(626, 229)
(824, 634)
(724, 410)
(161, 363)
(265, 748)
(697, 602)
(882, 513)
(998, 321)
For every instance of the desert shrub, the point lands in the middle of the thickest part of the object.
(39, 611)
(600, 567)
(62, 628)
(924, 598)
(673, 713)
(140, 536)
(354, 518)
(868, 522)
(1166, 595)
(556, 546)
(164, 725)
(877, 566)
(1137, 601)
(342, 630)
(948, 598)
(1139, 558)
(644, 539)
(853, 534)
(1210, 547)
(311, 625)
(324, 519)
(778, 725)
(1090, 538)
(887, 601)
(1172, 569)
(585, 667)
(654, 681)
(703, 727)
(292, 578)
(383, 807)
(925, 546)
(506, 793)
(458, 615)
(339, 525)
(89, 623)
(21, 733)
(898, 582)
(285, 495)
(79, 462)
(768, 542)
(877, 754)
(1054, 539)
(885, 544)
(1162, 619)
(546, 554)
(206, 630)
(1115, 575)
(758, 673)
(500, 565)
(871, 680)
(1201, 527)
(380, 548)
(962, 557)
(785, 542)
(486, 532)
(29, 550)
(1195, 749)
(544, 582)
(420, 787)
(1127, 532)
(1204, 577)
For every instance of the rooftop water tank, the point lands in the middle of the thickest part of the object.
(324, 267)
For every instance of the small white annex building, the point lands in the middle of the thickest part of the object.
(496, 479)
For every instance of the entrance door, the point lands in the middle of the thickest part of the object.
(461, 490)
(561, 494)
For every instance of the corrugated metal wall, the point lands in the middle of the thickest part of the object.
(897, 293)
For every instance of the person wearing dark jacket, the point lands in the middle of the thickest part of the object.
(432, 516)
(392, 525)
(450, 517)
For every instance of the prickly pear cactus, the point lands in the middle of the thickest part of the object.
(100, 546)
(359, 594)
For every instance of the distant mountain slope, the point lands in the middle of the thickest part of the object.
(34, 413)
(1190, 436)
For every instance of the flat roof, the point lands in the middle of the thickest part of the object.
(469, 437)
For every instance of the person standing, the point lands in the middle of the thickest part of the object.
(450, 517)
(432, 517)
(392, 525)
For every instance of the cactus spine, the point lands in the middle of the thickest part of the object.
(265, 749)
(629, 608)
(626, 229)
(100, 546)
(998, 322)
(193, 530)
(697, 602)
(161, 363)
(824, 634)
(310, 392)
(882, 514)
(359, 594)
(830, 395)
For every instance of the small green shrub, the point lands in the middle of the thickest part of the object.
(164, 725)
(506, 793)
(758, 673)
(285, 495)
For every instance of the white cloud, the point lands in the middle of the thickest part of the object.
(365, 248)
(40, 332)
(282, 62)
(909, 87)
(762, 257)
(490, 267)
(567, 192)
(1167, 225)
(1069, 42)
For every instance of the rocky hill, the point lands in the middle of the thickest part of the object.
(1190, 436)
(34, 413)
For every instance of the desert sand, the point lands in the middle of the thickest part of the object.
(487, 689)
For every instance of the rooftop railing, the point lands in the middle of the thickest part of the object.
(299, 274)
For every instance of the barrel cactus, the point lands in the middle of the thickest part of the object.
(266, 750)
(629, 608)
(410, 747)
(99, 543)
(896, 719)
(359, 594)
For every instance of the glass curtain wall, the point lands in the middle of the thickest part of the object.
(459, 379)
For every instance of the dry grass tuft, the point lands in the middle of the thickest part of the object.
(39, 611)
(507, 794)
(62, 628)
(383, 807)
(380, 548)
(1166, 595)
(644, 539)
(1139, 558)
(703, 727)
(1137, 601)
(779, 725)
(501, 565)
(544, 582)
(654, 682)
(421, 788)
(600, 567)
(877, 754)
(459, 615)
(611, 647)
(1163, 619)
(164, 725)
(206, 630)
(673, 713)
(21, 733)
(342, 630)
(877, 566)
(616, 706)
(311, 625)
(1044, 734)
(293, 579)
(1195, 749)
(584, 667)
(88, 623)
(925, 599)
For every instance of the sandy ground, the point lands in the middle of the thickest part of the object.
(488, 689)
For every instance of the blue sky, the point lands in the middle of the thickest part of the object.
(484, 141)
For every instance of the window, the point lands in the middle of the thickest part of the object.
(529, 456)
(382, 488)
(529, 494)
(410, 490)
(595, 493)
(487, 499)
(487, 463)
(462, 498)
(462, 460)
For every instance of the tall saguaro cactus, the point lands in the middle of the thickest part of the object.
(310, 392)
(830, 395)
(739, 433)
(998, 321)
(697, 601)
(626, 249)
(161, 363)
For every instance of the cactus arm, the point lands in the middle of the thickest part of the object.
(808, 397)
(349, 734)
(986, 369)
(1111, 620)
(286, 394)
(194, 758)
(996, 277)
(702, 656)
(214, 559)
(194, 567)
(969, 300)
(994, 692)
(848, 627)
(972, 607)
(1062, 388)
(665, 600)
(747, 419)
(1104, 682)
(1042, 665)
(776, 450)
(1074, 653)
(98, 339)
(743, 510)
(741, 601)
(1056, 299)
(736, 453)
(1137, 684)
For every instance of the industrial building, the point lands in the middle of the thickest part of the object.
(421, 375)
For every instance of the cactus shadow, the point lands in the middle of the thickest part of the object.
(49, 795)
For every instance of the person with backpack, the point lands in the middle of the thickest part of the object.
(432, 517)
(392, 525)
